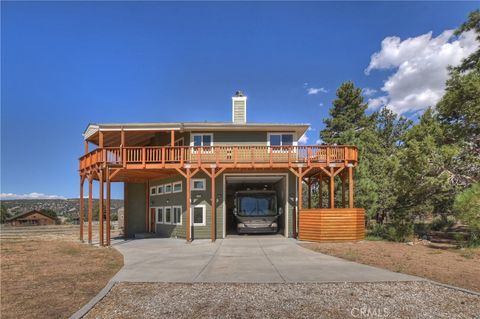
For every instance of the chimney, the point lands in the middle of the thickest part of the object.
(239, 108)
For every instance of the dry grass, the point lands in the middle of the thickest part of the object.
(52, 278)
(453, 266)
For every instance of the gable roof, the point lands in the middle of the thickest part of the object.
(25, 214)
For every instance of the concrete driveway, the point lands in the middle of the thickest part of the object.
(256, 259)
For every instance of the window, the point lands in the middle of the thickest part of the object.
(280, 139)
(177, 215)
(168, 215)
(160, 190)
(202, 140)
(153, 190)
(177, 187)
(159, 215)
(167, 188)
(198, 184)
(198, 218)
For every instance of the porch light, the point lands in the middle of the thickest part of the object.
(349, 165)
(213, 165)
(187, 166)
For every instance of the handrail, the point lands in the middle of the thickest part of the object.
(222, 154)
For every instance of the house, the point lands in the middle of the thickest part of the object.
(180, 179)
(32, 218)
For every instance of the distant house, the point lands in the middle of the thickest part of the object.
(32, 218)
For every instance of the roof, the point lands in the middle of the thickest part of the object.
(92, 128)
(25, 214)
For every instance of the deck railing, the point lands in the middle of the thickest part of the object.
(182, 155)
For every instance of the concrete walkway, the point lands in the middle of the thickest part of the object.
(256, 259)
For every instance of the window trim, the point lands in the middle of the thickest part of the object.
(176, 183)
(165, 188)
(181, 213)
(156, 215)
(192, 136)
(294, 141)
(204, 215)
(204, 180)
(153, 188)
(165, 215)
(158, 190)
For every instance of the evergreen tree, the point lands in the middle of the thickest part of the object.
(347, 115)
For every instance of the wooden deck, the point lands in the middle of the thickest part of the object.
(161, 157)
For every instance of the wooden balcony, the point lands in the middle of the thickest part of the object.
(158, 157)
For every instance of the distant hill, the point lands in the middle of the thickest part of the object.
(63, 207)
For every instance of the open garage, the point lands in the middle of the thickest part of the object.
(255, 192)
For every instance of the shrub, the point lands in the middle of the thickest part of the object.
(442, 222)
(467, 207)
(377, 231)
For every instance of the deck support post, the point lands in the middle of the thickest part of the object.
(299, 204)
(188, 206)
(320, 191)
(100, 208)
(309, 183)
(81, 208)
(213, 175)
(147, 207)
(350, 187)
(188, 174)
(90, 208)
(214, 207)
(108, 225)
(331, 193)
(172, 138)
(342, 176)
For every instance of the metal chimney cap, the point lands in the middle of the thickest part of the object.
(239, 93)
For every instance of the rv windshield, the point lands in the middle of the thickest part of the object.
(257, 206)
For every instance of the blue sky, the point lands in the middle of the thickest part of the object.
(67, 64)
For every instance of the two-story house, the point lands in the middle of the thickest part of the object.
(180, 179)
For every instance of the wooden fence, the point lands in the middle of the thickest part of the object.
(338, 224)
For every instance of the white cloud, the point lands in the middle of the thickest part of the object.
(420, 65)
(320, 104)
(6, 196)
(377, 102)
(312, 91)
(318, 141)
(369, 91)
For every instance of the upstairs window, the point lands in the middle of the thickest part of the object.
(202, 140)
(280, 139)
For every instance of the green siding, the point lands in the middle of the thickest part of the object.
(136, 205)
(136, 209)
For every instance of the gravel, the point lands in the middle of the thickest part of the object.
(301, 300)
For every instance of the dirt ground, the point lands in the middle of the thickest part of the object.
(455, 267)
(52, 278)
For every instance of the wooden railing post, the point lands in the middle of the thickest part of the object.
(328, 155)
(163, 156)
(144, 155)
(235, 155)
(289, 156)
(308, 155)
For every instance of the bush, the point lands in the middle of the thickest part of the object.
(442, 222)
(467, 207)
(377, 231)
